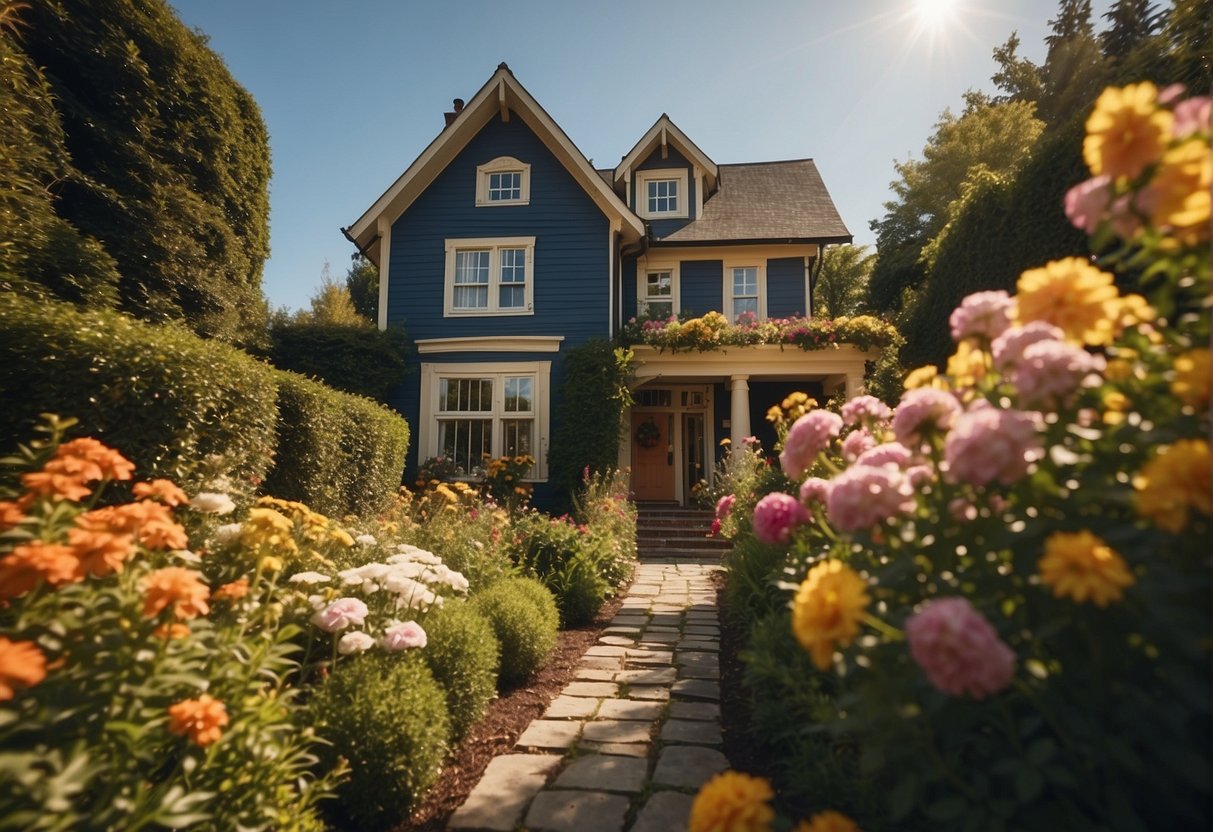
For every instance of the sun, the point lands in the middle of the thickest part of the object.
(934, 14)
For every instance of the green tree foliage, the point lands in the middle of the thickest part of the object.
(164, 160)
(1130, 23)
(362, 282)
(331, 305)
(842, 285)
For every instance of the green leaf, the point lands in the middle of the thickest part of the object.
(947, 808)
(1041, 751)
(1029, 783)
(903, 797)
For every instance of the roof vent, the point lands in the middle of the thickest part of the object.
(457, 104)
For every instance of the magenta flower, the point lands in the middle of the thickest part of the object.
(862, 496)
(1087, 203)
(922, 411)
(342, 613)
(776, 516)
(982, 315)
(808, 436)
(856, 443)
(958, 649)
(404, 635)
(866, 410)
(1008, 348)
(715, 531)
(724, 506)
(1191, 116)
(987, 444)
(814, 490)
(1049, 371)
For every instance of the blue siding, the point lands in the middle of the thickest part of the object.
(661, 228)
(785, 287)
(629, 288)
(702, 284)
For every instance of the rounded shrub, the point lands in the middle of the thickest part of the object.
(538, 594)
(387, 716)
(526, 631)
(464, 655)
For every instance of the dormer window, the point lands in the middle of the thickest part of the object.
(503, 181)
(662, 194)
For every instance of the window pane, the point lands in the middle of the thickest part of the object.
(659, 308)
(505, 186)
(465, 395)
(511, 297)
(465, 441)
(518, 396)
(742, 306)
(662, 196)
(516, 437)
(659, 285)
(471, 280)
(745, 282)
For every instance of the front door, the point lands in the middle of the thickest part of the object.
(653, 456)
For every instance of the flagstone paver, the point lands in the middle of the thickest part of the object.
(653, 674)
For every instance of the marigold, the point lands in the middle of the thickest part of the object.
(175, 586)
(1081, 566)
(1126, 131)
(827, 821)
(1072, 295)
(967, 365)
(1174, 484)
(22, 665)
(201, 719)
(732, 802)
(33, 563)
(12, 513)
(100, 553)
(232, 591)
(74, 464)
(165, 491)
(1177, 198)
(173, 631)
(1191, 382)
(267, 529)
(149, 522)
(925, 376)
(828, 608)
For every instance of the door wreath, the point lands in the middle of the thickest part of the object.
(648, 434)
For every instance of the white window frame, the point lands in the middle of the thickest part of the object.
(727, 288)
(540, 371)
(494, 245)
(502, 164)
(643, 270)
(644, 177)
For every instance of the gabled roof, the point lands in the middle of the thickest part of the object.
(501, 94)
(665, 132)
(766, 201)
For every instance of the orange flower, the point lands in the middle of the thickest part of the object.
(171, 631)
(163, 490)
(100, 553)
(22, 665)
(11, 514)
(148, 521)
(1126, 131)
(56, 485)
(177, 586)
(199, 719)
(36, 562)
(233, 591)
(74, 464)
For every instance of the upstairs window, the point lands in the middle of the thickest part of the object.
(744, 290)
(503, 181)
(658, 295)
(662, 194)
(490, 276)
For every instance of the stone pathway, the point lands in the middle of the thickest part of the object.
(628, 743)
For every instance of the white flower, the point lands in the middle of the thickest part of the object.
(309, 578)
(365, 540)
(412, 553)
(355, 642)
(210, 502)
(403, 636)
(228, 533)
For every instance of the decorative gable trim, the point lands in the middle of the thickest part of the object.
(491, 343)
(663, 133)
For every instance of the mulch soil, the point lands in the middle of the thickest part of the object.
(506, 719)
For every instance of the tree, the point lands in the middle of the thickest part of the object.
(362, 282)
(331, 305)
(1130, 23)
(842, 285)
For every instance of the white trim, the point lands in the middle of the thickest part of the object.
(385, 250)
(494, 245)
(727, 289)
(644, 177)
(698, 175)
(491, 343)
(502, 164)
(611, 281)
(427, 427)
(665, 127)
(645, 267)
(759, 361)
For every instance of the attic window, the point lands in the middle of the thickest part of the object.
(503, 181)
(662, 194)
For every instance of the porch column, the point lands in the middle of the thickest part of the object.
(739, 414)
(854, 385)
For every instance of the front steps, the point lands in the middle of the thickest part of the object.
(667, 530)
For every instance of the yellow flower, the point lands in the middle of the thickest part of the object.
(1081, 566)
(827, 821)
(732, 802)
(1191, 382)
(926, 376)
(967, 365)
(1126, 131)
(1173, 484)
(269, 563)
(1072, 295)
(341, 536)
(1177, 198)
(1115, 404)
(828, 608)
(1132, 310)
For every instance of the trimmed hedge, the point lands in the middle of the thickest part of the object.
(174, 404)
(338, 453)
(463, 654)
(329, 351)
(526, 630)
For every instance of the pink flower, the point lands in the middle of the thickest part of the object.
(354, 642)
(1087, 203)
(983, 315)
(403, 636)
(776, 516)
(890, 453)
(922, 411)
(342, 613)
(1008, 348)
(962, 510)
(814, 490)
(715, 532)
(808, 436)
(865, 410)
(1191, 116)
(1049, 371)
(856, 443)
(724, 506)
(862, 496)
(958, 649)
(988, 444)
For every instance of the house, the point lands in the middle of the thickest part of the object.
(501, 247)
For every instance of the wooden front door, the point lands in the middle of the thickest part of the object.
(653, 456)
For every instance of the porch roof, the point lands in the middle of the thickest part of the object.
(757, 361)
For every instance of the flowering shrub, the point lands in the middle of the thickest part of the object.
(714, 332)
(1007, 577)
(503, 480)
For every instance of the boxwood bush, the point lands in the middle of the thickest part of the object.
(387, 716)
(526, 631)
(463, 654)
(567, 560)
(176, 405)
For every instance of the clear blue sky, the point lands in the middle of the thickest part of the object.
(353, 91)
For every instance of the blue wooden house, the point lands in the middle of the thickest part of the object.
(501, 247)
